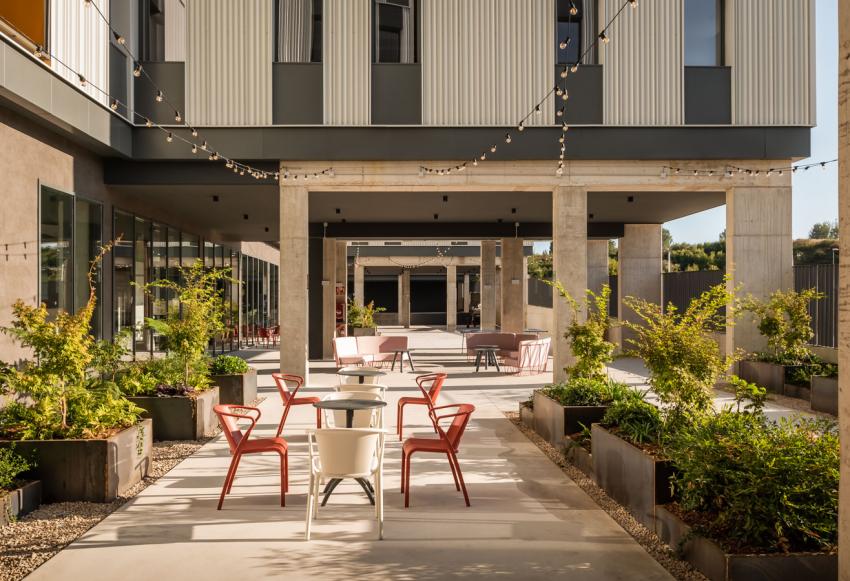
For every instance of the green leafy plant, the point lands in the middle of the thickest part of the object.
(363, 317)
(587, 337)
(228, 365)
(583, 391)
(188, 330)
(784, 320)
(635, 420)
(748, 396)
(12, 465)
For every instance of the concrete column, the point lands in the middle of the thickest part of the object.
(488, 284)
(844, 288)
(328, 296)
(404, 299)
(759, 252)
(524, 292)
(342, 278)
(467, 293)
(512, 278)
(451, 297)
(359, 277)
(640, 263)
(498, 295)
(569, 258)
(293, 279)
(597, 264)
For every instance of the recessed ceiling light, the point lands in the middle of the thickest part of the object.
(513, 210)
(499, 220)
(445, 198)
(590, 216)
(267, 228)
(244, 216)
(631, 198)
(215, 198)
(338, 211)
(436, 216)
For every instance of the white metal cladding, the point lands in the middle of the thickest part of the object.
(175, 30)
(229, 62)
(770, 48)
(642, 64)
(347, 70)
(487, 62)
(80, 39)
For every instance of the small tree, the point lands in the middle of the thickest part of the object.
(188, 330)
(784, 320)
(363, 317)
(587, 338)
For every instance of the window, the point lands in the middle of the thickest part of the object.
(152, 30)
(25, 21)
(568, 34)
(298, 31)
(395, 31)
(703, 33)
(122, 275)
(88, 237)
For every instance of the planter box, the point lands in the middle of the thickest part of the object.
(553, 421)
(770, 376)
(19, 502)
(825, 394)
(239, 389)
(629, 475)
(578, 456)
(710, 559)
(798, 391)
(90, 470)
(526, 416)
(364, 332)
(181, 417)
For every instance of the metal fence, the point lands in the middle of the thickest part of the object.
(679, 288)
(824, 313)
(539, 293)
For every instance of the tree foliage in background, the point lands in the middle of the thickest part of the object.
(540, 266)
(363, 317)
(823, 230)
(784, 320)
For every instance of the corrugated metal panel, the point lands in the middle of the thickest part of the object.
(229, 62)
(643, 67)
(770, 48)
(347, 61)
(175, 30)
(487, 62)
(80, 39)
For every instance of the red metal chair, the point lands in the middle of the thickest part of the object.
(429, 395)
(448, 443)
(241, 444)
(282, 380)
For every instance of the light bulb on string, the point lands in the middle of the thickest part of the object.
(148, 122)
(137, 70)
(483, 156)
(195, 149)
(521, 126)
(493, 148)
(159, 97)
(537, 110)
(564, 72)
(38, 52)
(113, 105)
(565, 128)
(119, 39)
(560, 112)
(177, 117)
(573, 9)
(633, 3)
(82, 80)
(574, 68)
(604, 37)
(204, 146)
(194, 132)
(169, 137)
(559, 91)
(565, 96)
(507, 137)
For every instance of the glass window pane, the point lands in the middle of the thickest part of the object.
(702, 33)
(209, 254)
(141, 265)
(88, 237)
(57, 215)
(173, 266)
(298, 31)
(569, 33)
(191, 250)
(159, 271)
(122, 273)
(394, 34)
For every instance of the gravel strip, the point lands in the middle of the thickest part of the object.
(647, 539)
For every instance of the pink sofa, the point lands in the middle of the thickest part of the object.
(506, 342)
(531, 357)
(367, 350)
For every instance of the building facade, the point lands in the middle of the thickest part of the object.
(309, 123)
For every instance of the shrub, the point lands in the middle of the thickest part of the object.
(11, 466)
(363, 317)
(588, 392)
(164, 376)
(636, 420)
(228, 365)
(757, 485)
(784, 320)
(587, 338)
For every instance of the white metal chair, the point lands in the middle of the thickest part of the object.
(376, 388)
(373, 418)
(345, 453)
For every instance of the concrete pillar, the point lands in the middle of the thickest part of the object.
(342, 281)
(597, 264)
(498, 295)
(759, 253)
(293, 279)
(359, 277)
(640, 263)
(524, 292)
(488, 284)
(569, 258)
(844, 288)
(328, 296)
(404, 299)
(512, 279)
(451, 297)
(467, 293)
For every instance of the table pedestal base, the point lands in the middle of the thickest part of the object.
(334, 482)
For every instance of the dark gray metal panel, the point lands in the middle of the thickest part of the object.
(170, 77)
(297, 97)
(396, 94)
(470, 230)
(446, 250)
(535, 143)
(584, 106)
(118, 78)
(708, 95)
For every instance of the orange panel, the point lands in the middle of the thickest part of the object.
(27, 17)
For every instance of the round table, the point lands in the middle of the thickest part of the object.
(488, 352)
(399, 354)
(361, 373)
(349, 406)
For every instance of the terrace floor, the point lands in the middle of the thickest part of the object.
(527, 519)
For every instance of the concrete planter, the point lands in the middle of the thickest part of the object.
(710, 559)
(19, 502)
(181, 417)
(553, 421)
(579, 457)
(90, 470)
(825, 394)
(770, 376)
(239, 389)
(364, 331)
(526, 416)
(629, 475)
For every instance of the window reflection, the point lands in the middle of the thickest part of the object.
(703, 33)
(298, 31)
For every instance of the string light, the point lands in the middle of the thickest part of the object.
(159, 97)
(730, 170)
(177, 117)
(137, 70)
(169, 137)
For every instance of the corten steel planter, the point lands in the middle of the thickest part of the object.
(825, 394)
(90, 470)
(526, 416)
(632, 477)
(713, 562)
(578, 456)
(770, 376)
(180, 417)
(364, 331)
(237, 389)
(553, 421)
(19, 502)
